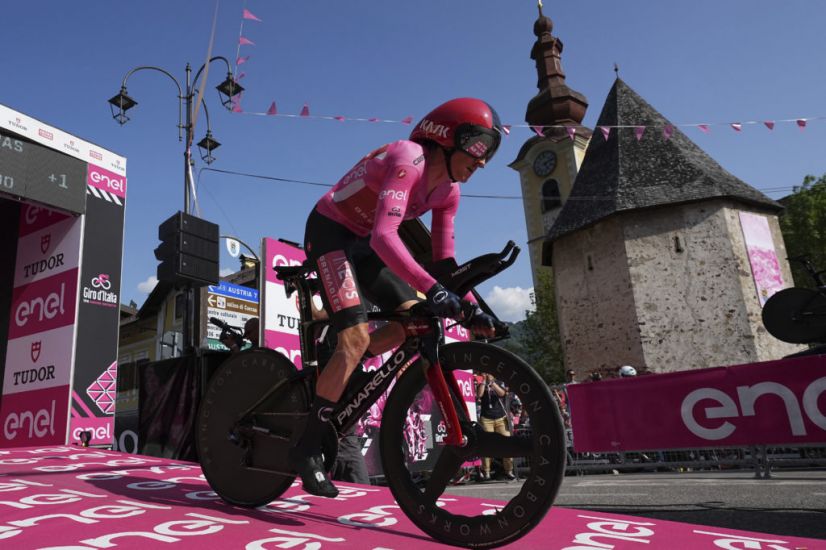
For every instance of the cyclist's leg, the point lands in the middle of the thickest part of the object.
(329, 247)
(388, 292)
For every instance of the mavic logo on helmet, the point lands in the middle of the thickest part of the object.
(430, 127)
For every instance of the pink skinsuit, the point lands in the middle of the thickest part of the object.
(387, 186)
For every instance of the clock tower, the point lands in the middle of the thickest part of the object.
(549, 161)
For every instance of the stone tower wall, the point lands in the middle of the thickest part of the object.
(671, 289)
(595, 301)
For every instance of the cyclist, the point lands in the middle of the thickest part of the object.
(352, 238)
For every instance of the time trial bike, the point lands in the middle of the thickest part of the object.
(256, 404)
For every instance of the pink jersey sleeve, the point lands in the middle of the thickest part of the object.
(385, 240)
(441, 226)
(394, 195)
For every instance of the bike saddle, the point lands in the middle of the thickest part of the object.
(284, 272)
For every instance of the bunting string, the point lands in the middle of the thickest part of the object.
(665, 130)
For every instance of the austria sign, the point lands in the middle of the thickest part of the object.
(232, 304)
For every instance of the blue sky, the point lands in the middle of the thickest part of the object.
(700, 62)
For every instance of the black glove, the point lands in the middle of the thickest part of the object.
(443, 302)
(481, 320)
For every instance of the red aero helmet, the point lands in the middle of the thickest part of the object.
(467, 124)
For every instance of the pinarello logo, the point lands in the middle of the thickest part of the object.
(95, 155)
(35, 350)
(45, 241)
(45, 134)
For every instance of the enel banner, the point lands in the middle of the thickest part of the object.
(771, 403)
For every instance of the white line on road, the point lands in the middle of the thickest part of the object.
(603, 494)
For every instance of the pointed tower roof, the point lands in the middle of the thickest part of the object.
(623, 173)
(556, 103)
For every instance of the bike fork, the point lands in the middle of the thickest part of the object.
(439, 387)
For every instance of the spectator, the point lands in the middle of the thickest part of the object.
(494, 418)
(596, 376)
(626, 371)
(570, 377)
(251, 331)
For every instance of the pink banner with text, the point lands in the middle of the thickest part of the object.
(280, 313)
(774, 403)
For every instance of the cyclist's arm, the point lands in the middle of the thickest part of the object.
(385, 239)
(442, 232)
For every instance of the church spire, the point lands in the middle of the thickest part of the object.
(556, 103)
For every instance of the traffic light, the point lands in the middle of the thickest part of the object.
(189, 250)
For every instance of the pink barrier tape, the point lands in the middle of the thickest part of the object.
(69, 497)
(772, 403)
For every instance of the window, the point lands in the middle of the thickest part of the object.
(550, 195)
(180, 304)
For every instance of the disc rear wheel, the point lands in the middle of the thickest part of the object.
(247, 466)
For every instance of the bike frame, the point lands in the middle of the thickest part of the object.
(424, 336)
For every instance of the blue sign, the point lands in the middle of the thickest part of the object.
(235, 291)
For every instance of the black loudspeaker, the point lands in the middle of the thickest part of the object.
(189, 250)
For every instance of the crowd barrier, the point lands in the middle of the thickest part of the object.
(768, 399)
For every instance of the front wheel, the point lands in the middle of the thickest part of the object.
(538, 452)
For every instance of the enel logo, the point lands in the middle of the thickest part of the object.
(32, 424)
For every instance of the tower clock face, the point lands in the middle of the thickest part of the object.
(544, 164)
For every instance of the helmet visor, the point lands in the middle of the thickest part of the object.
(477, 141)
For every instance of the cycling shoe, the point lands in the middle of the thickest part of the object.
(313, 476)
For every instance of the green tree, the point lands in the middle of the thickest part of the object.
(541, 347)
(803, 224)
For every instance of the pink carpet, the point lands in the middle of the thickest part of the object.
(71, 499)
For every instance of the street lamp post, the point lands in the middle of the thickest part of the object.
(227, 90)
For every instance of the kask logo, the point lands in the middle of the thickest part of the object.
(430, 127)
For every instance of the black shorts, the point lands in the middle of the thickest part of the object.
(350, 271)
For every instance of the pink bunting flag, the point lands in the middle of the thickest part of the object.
(236, 108)
(242, 60)
(339, 118)
(244, 41)
(272, 110)
(703, 128)
(769, 124)
(240, 76)
(606, 131)
(737, 126)
(407, 120)
(507, 129)
(305, 111)
(801, 123)
(668, 131)
(638, 132)
(571, 131)
(538, 130)
(249, 15)
(372, 119)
